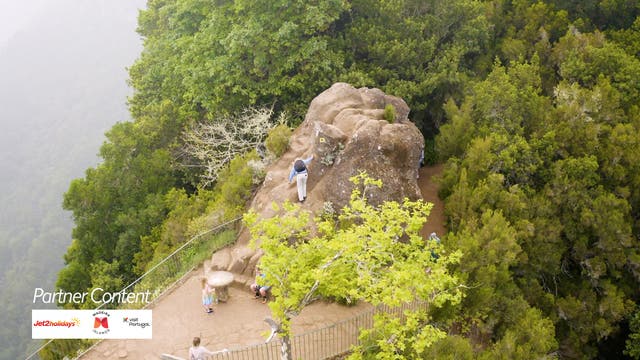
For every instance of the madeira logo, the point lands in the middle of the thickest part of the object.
(101, 322)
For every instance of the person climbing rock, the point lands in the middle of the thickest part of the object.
(299, 170)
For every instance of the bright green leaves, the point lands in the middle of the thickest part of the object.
(370, 254)
(392, 338)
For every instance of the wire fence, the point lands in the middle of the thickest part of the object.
(325, 343)
(169, 271)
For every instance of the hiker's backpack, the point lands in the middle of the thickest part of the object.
(299, 166)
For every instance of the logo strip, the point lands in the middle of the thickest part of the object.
(91, 324)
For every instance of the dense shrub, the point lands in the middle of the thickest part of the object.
(277, 141)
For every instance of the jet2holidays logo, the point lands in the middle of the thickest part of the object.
(63, 323)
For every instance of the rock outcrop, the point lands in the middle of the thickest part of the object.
(345, 130)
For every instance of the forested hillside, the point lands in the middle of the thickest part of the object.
(532, 105)
(61, 89)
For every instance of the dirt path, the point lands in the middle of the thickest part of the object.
(429, 189)
(179, 316)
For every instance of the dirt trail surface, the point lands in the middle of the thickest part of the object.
(429, 189)
(179, 316)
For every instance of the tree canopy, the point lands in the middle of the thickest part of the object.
(534, 110)
(571, 217)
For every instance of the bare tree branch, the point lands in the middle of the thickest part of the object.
(215, 143)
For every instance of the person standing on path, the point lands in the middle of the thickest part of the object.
(207, 296)
(197, 352)
(299, 170)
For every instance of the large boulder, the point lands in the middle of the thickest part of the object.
(352, 122)
(345, 130)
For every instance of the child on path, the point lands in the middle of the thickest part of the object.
(299, 170)
(259, 288)
(207, 296)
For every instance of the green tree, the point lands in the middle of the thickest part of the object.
(211, 59)
(277, 141)
(560, 171)
(369, 254)
(584, 58)
(507, 102)
(456, 134)
(244, 54)
(633, 343)
(629, 38)
(418, 50)
(453, 347)
(121, 199)
(490, 249)
(531, 337)
(601, 14)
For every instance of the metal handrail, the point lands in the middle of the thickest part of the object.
(306, 339)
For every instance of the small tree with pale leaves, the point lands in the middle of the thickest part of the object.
(371, 254)
(215, 142)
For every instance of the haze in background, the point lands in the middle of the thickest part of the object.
(17, 15)
(62, 85)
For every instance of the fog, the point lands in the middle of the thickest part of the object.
(16, 15)
(62, 85)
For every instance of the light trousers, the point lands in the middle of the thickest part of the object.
(301, 180)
